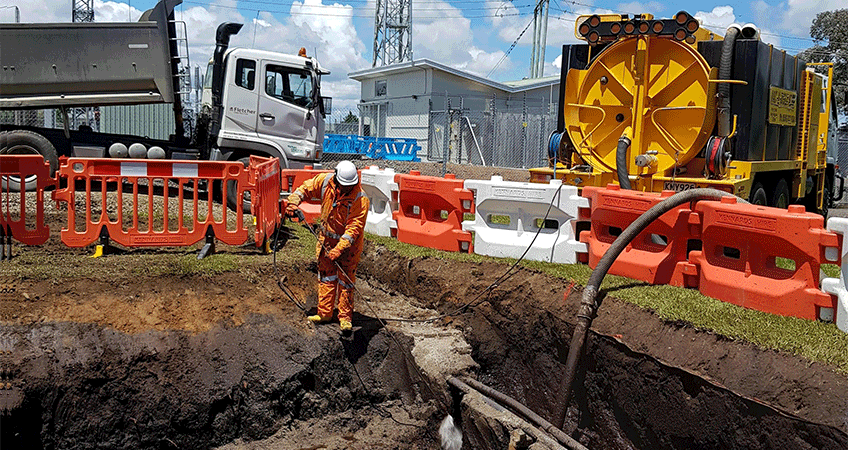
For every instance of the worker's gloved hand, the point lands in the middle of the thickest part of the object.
(291, 210)
(336, 252)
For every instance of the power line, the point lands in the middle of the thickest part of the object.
(514, 43)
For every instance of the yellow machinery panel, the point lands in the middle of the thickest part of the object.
(655, 86)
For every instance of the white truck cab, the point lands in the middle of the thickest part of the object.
(271, 103)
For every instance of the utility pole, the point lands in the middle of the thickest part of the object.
(392, 32)
(540, 38)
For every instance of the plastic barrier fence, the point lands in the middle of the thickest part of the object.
(265, 205)
(16, 221)
(430, 211)
(656, 253)
(292, 179)
(338, 143)
(746, 252)
(184, 217)
(396, 149)
(509, 215)
(378, 185)
(837, 286)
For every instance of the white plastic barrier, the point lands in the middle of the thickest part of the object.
(378, 186)
(837, 287)
(508, 215)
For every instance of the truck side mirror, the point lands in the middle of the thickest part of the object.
(326, 106)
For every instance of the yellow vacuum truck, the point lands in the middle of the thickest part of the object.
(667, 105)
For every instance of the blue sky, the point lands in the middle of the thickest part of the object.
(466, 34)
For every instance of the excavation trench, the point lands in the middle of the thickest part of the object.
(191, 364)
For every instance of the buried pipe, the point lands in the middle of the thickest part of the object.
(589, 306)
(467, 384)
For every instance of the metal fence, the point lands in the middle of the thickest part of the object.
(508, 132)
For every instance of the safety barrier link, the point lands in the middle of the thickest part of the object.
(265, 204)
(657, 254)
(136, 187)
(292, 179)
(763, 258)
(431, 210)
(378, 185)
(509, 215)
(838, 287)
(16, 220)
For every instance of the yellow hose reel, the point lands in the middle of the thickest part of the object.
(659, 87)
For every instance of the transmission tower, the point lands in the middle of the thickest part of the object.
(82, 10)
(540, 39)
(392, 32)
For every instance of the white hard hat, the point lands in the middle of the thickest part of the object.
(346, 174)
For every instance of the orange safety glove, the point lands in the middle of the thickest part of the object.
(336, 252)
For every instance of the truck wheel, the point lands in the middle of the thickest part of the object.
(22, 142)
(781, 195)
(758, 195)
(232, 192)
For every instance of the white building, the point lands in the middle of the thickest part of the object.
(505, 124)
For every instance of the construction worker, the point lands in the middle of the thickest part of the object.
(344, 208)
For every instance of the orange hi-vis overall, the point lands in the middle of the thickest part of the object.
(342, 224)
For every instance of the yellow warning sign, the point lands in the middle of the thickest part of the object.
(782, 106)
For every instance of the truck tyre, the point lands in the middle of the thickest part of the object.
(781, 195)
(232, 192)
(758, 195)
(827, 200)
(23, 142)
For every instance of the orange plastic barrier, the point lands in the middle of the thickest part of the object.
(136, 187)
(265, 205)
(655, 254)
(15, 220)
(430, 211)
(744, 247)
(292, 179)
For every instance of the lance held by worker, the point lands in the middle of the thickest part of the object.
(344, 208)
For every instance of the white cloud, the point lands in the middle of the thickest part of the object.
(718, 19)
(450, 40)
(795, 16)
(35, 11)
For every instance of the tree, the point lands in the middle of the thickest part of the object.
(830, 34)
(350, 118)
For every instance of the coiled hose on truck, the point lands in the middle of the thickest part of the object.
(589, 306)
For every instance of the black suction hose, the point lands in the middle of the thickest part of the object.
(621, 161)
(466, 384)
(724, 73)
(588, 305)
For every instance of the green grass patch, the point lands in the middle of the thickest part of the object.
(817, 341)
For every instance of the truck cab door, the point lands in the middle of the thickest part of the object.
(287, 110)
(240, 97)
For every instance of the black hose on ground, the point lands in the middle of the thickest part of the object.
(621, 161)
(589, 306)
(466, 384)
(725, 71)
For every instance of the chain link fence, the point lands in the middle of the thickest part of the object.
(503, 132)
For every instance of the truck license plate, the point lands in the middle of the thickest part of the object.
(678, 187)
